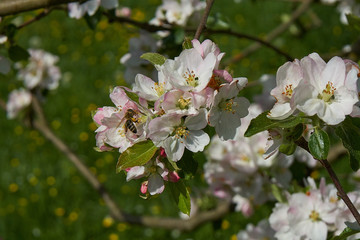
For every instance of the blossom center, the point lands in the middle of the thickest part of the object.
(181, 132)
(183, 103)
(159, 88)
(314, 216)
(228, 106)
(214, 82)
(288, 91)
(191, 79)
(328, 93)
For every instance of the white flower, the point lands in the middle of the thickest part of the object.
(228, 109)
(155, 171)
(189, 71)
(327, 90)
(18, 100)
(172, 133)
(288, 77)
(40, 71)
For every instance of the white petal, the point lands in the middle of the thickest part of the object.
(135, 173)
(155, 184)
(334, 72)
(174, 148)
(196, 140)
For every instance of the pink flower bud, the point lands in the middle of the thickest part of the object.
(173, 176)
(162, 152)
(144, 187)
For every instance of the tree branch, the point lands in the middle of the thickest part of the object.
(204, 18)
(9, 7)
(190, 224)
(273, 34)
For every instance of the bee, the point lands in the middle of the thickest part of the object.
(130, 121)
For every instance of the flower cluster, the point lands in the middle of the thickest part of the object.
(177, 12)
(39, 73)
(315, 87)
(312, 214)
(191, 93)
(236, 169)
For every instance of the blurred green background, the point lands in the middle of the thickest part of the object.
(43, 196)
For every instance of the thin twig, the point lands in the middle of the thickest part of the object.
(190, 224)
(273, 34)
(256, 39)
(204, 18)
(36, 18)
(341, 193)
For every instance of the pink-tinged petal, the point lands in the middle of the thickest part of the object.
(289, 73)
(196, 140)
(135, 173)
(224, 74)
(119, 97)
(145, 87)
(351, 80)
(334, 72)
(174, 148)
(155, 184)
(318, 60)
(161, 127)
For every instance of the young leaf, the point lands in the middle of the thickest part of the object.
(351, 229)
(137, 155)
(17, 53)
(288, 148)
(349, 134)
(187, 163)
(262, 123)
(319, 144)
(133, 96)
(154, 58)
(354, 21)
(276, 191)
(187, 44)
(181, 196)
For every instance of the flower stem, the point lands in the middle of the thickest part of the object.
(202, 24)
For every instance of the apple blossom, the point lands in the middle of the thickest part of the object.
(228, 109)
(288, 77)
(18, 100)
(40, 71)
(173, 133)
(327, 90)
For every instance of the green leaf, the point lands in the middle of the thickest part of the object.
(154, 58)
(354, 21)
(92, 21)
(276, 191)
(262, 123)
(347, 232)
(137, 155)
(288, 148)
(319, 144)
(187, 163)
(133, 96)
(349, 134)
(181, 196)
(187, 44)
(17, 53)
